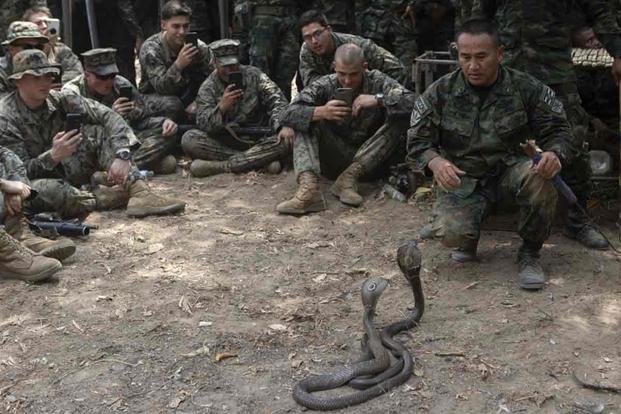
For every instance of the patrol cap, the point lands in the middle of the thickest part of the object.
(101, 61)
(32, 62)
(225, 51)
(24, 30)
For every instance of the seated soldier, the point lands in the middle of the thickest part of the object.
(20, 36)
(58, 157)
(101, 82)
(333, 135)
(467, 129)
(170, 64)
(223, 107)
(56, 51)
(320, 43)
(22, 255)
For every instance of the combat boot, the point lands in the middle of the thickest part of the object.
(346, 187)
(205, 168)
(167, 165)
(466, 253)
(60, 249)
(143, 202)
(579, 228)
(307, 199)
(531, 275)
(110, 198)
(19, 262)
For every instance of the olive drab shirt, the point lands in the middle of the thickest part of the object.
(261, 105)
(479, 136)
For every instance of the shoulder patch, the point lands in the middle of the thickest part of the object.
(421, 109)
(550, 99)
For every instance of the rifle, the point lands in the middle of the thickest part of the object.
(43, 223)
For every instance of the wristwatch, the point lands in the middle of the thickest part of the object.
(123, 154)
(379, 97)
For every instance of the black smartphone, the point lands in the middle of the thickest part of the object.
(192, 37)
(345, 94)
(73, 121)
(126, 92)
(236, 78)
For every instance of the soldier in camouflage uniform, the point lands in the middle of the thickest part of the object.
(337, 139)
(340, 14)
(466, 129)
(274, 44)
(536, 35)
(56, 51)
(320, 43)
(171, 67)
(102, 83)
(223, 106)
(12, 10)
(32, 124)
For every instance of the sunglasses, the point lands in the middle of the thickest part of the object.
(105, 77)
(30, 47)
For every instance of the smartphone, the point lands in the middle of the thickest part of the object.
(53, 27)
(236, 78)
(73, 121)
(192, 37)
(58, 78)
(126, 92)
(345, 94)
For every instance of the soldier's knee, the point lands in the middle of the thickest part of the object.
(189, 141)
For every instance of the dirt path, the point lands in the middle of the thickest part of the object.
(137, 318)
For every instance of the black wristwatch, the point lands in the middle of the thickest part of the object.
(123, 154)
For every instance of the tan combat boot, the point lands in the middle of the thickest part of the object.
(19, 262)
(307, 199)
(143, 202)
(167, 165)
(110, 198)
(205, 168)
(346, 187)
(60, 249)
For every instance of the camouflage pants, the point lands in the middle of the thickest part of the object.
(322, 151)
(166, 106)
(274, 48)
(459, 214)
(242, 156)
(153, 147)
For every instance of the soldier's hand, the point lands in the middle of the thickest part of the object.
(446, 173)
(123, 106)
(118, 171)
(548, 166)
(334, 110)
(231, 96)
(15, 188)
(363, 101)
(186, 56)
(64, 144)
(169, 128)
(616, 70)
(287, 135)
(13, 204)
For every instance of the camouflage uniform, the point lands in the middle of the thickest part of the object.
(68, 61)
(368, 139)
(161, 76)
(463, 10)
(340, 14)
(12, 169)
(261, 105)
(481, 134)
(313, 66)
(12, 10)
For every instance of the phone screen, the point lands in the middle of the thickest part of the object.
(192, 37)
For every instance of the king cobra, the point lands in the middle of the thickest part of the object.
(374, 375)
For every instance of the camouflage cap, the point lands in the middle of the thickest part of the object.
(32, 62)
(24, 30)
(100, 61)
(225, 51)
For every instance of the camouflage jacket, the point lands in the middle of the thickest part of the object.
(160, 74)
(128, 15)
(479, 136)
(262, 103)
(29, 133)
(11, 167)
(397, 99)
(136, 118)
(536, 33)
(12, 10)
(313, 66)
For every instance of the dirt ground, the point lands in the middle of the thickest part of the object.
(137, 318)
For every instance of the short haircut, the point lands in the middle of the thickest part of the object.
(478, 27)
(35, 10)
(349, 54)
(175, 8)
(312, 16)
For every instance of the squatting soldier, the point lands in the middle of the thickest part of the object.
(20, 36)
(348, 141)
(223, 106)
(320, 43)
(170, 66)
(537, 40)
(467, 128)
(56, 51)
(33, 123)
(102, 83)
(11, 10)
(23, 255)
